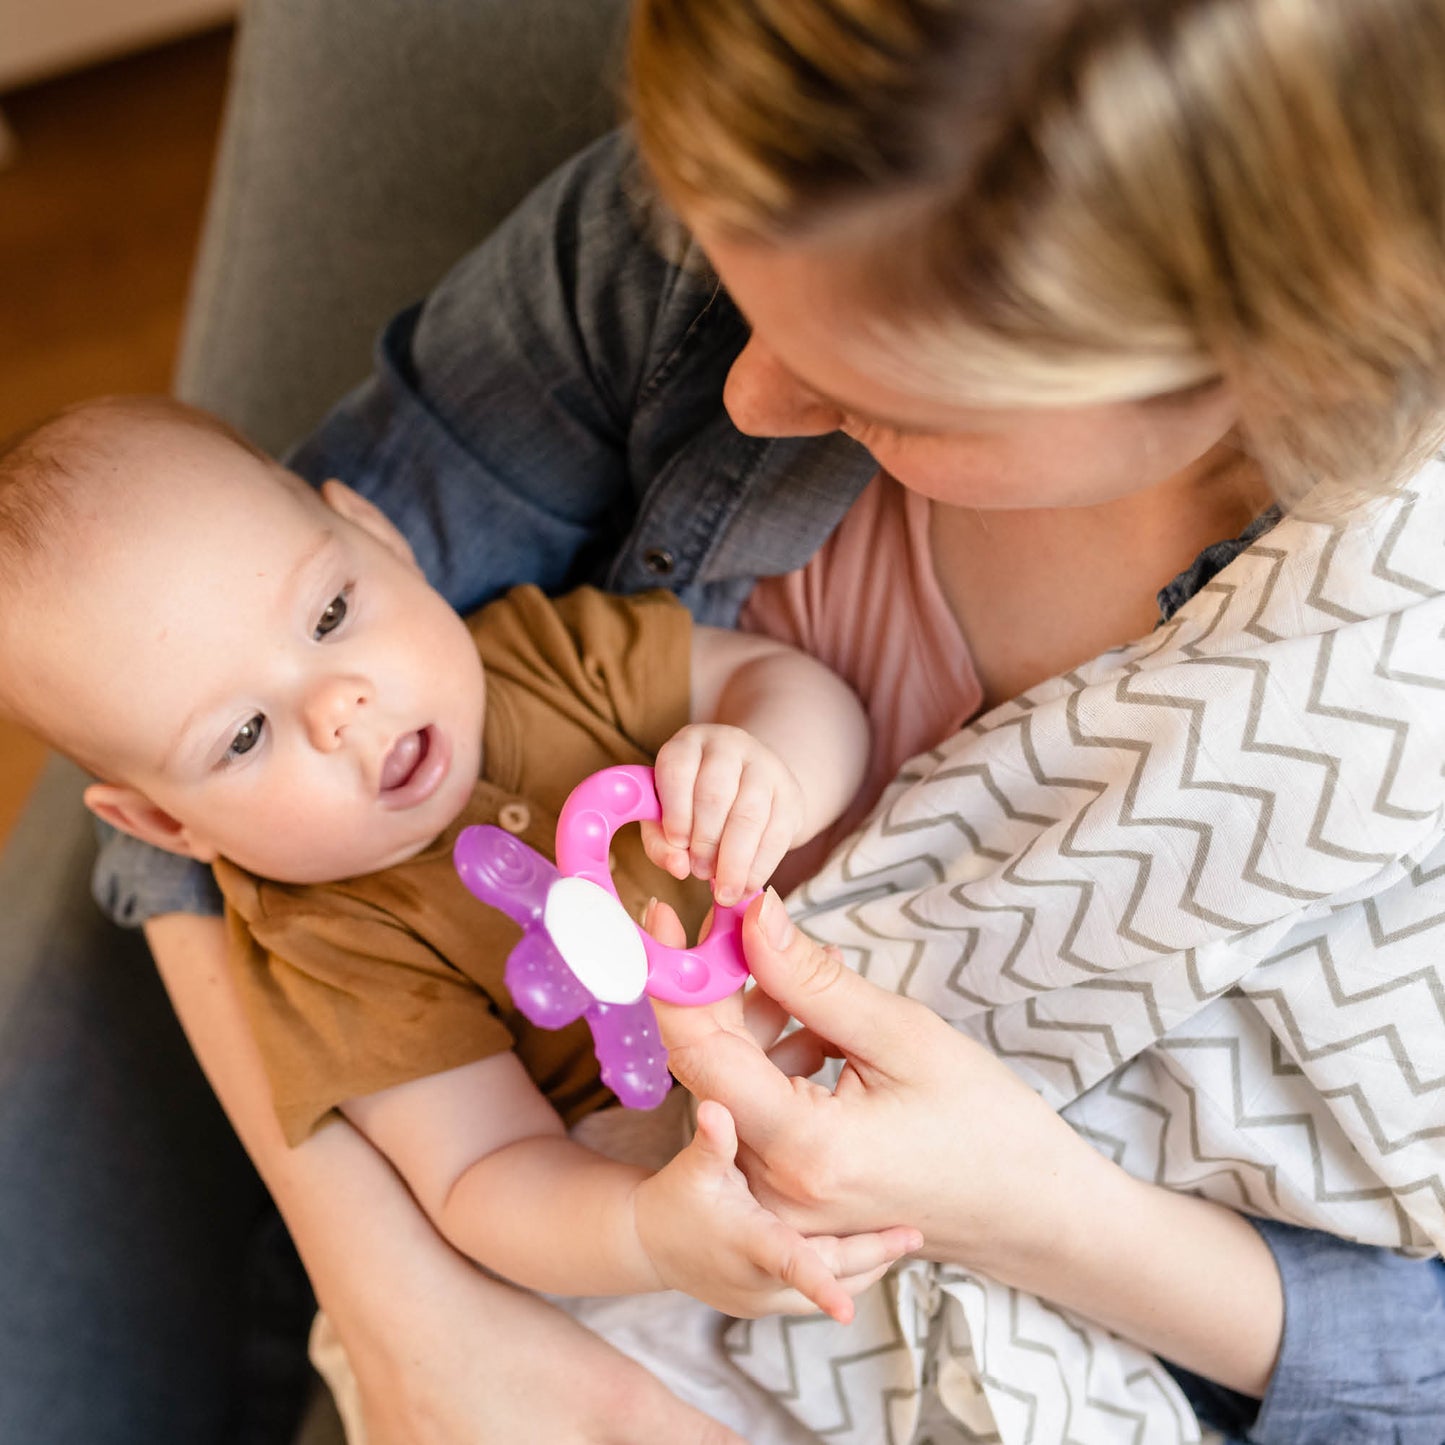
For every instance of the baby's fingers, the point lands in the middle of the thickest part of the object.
(674, 774)
(716, 1136)
(856, 1260)
(752, 844)
(792, 1261)
(714, 804)
(661, 853)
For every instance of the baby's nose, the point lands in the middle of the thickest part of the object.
(332, 707)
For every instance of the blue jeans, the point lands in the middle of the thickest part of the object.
(150, 1294)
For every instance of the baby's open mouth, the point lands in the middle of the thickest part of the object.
(414, 768)
(407, 754)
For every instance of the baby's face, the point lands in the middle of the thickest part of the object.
(267, 667)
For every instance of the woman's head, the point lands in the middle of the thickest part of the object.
(1062, 203)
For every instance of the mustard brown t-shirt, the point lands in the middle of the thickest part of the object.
(356, 986)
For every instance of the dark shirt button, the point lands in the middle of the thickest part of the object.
(659, 561)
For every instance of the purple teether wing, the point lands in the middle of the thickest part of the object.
(504, 872)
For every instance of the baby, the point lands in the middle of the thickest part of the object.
(265, 682)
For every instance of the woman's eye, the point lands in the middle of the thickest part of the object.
(332, 617)
(247, 736)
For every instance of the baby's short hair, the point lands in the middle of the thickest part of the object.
(49, 470)
(54, 474)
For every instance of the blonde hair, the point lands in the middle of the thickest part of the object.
(1064, 202)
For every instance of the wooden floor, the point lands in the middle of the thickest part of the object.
(99, 214)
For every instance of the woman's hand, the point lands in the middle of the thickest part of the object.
(925, 1127)
(706, 1235)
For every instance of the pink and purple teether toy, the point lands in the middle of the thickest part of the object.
(580, 953)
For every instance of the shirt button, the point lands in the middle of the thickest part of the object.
(514, 817)
(659, 561)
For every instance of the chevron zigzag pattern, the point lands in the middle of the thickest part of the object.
(1194, 893)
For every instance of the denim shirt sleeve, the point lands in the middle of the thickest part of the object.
(552, 413)
(134, 882)
(1362, 1360)
(498, 427)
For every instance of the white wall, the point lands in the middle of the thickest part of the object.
(42, 37)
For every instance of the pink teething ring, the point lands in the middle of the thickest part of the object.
(580, 955)
(597, 807)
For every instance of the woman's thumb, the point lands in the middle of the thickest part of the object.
(813, 983)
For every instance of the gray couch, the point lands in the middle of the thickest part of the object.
(367, 144)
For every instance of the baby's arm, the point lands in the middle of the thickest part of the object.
(775, 752)
(490, 1163)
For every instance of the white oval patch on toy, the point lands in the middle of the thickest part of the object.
(596, 939)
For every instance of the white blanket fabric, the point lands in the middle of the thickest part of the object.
(1194, 893)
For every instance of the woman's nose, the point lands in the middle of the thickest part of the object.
(331, 707)
(765, 399)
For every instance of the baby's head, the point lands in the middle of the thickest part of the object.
(256, 670)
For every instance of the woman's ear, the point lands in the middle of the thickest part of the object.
(360, 512)
(134, 813)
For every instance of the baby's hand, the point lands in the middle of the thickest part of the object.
(730, 809)
(706, 1235)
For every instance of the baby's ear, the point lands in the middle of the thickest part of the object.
(365, 514)
(134, 813)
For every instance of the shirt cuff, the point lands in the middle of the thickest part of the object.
(1362, 1358)
(133, 882)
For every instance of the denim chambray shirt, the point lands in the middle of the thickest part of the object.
(552, 413)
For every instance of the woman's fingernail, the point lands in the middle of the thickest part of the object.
(776, 925)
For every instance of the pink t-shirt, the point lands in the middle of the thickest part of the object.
(869, 605)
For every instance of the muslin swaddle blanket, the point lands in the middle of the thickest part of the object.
(1194, 893)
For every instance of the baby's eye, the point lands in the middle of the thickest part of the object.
(247, 736)
(332, 617)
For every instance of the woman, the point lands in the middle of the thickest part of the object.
(1067, 304)
(558, 396)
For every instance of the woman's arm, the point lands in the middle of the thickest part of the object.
(444, 1355)
(927, 1128)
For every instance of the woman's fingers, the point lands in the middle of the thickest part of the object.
(801, 1054)
(864, 1023)
(716, 1063)
(662, 922)
(764, 1017)
(874, 1029)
